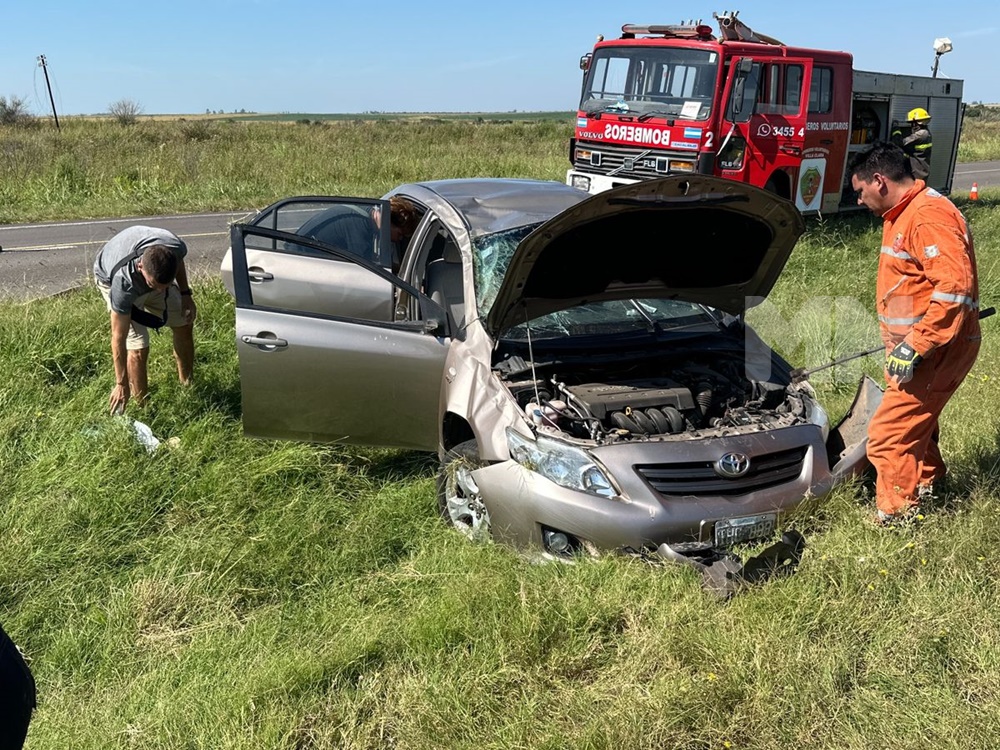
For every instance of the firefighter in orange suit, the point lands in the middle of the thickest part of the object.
(927, 297)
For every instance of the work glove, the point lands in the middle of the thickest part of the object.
(901, 361)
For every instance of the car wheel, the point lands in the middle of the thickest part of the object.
(459, 500)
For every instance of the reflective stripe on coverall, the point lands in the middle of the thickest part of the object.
(918, 146)
(928, 294)
(919, 143)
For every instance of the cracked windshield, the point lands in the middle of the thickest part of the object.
(491, 257)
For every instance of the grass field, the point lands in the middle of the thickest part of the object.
(97, 168)
(235, 593)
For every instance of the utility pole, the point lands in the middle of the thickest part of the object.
(41, 62)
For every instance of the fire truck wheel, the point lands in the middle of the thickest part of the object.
(777, 186)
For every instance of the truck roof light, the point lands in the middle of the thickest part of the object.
(687, 31)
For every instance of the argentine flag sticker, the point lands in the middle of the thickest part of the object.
(581, 122)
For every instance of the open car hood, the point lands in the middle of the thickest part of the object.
(695, 238)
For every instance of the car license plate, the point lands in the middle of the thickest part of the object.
(735, 530)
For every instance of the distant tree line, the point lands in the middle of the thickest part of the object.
(983, 111)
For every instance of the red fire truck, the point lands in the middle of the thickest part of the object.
(672, 99)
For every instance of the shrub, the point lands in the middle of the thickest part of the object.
(14, 111)
(197, 130)
(125, 111)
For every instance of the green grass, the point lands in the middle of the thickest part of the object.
(235, 593)
(477, 117)
(95, 168)
(99, 168)
(980, 139)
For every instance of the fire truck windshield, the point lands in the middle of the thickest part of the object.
(650, 81)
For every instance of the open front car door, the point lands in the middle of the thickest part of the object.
(325, 355)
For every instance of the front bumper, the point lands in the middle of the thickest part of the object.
(595, 183)
(522, 502)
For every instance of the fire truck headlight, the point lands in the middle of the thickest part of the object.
(681, 166)
(580, 182)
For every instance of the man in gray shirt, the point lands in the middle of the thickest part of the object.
(141, 274)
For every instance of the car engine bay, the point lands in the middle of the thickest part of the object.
(699, 395)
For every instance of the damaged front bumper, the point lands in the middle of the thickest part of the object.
(724, 574)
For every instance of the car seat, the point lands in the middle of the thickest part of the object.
(443, 282)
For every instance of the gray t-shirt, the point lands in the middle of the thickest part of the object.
(128, 283)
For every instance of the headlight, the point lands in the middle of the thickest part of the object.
(581, 183)
(818, 416)
(558, 462)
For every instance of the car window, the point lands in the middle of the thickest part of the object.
(317, 283)
(347, 225)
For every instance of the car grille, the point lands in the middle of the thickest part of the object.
(699, 477)
(606, 158)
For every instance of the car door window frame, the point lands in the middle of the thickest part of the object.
(433, 318)
(268, 218)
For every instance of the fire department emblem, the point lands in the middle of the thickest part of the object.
(809, 184)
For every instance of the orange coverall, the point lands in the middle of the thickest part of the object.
(928, 295)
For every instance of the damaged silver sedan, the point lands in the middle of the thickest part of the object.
(579, 363)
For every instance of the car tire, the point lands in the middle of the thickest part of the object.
(459, 501)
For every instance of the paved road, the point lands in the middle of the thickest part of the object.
(39, 260)
(984, 173)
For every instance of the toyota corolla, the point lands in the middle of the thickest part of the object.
(580, 364)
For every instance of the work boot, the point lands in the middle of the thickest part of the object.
(900, 518)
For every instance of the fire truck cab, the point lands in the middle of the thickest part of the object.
(673, 99)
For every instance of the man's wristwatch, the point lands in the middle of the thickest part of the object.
(185, 292)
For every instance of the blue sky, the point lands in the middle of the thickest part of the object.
(321, 56)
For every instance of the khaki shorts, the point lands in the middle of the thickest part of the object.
(138, 335)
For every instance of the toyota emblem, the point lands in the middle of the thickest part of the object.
(732, 465)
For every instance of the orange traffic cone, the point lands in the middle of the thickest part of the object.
(974, 193)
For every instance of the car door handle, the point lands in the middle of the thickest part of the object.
(789, 149)
(265, 342)
(258, 274)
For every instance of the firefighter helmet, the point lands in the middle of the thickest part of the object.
(917, 115)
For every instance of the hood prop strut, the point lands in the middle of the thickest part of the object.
(800, 373)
